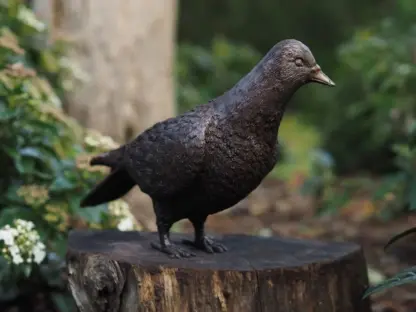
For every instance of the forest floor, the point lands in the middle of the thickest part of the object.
(276, 208)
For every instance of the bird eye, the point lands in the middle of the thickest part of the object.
(299, 62)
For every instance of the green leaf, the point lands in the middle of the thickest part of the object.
(405, 277)
(399, 236)
(26, 164)
(61, 184)
(9, 214)
(31, 152)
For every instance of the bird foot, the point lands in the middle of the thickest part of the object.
(206, 244)
(172, 251)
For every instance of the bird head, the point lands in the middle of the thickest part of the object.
(294, 62)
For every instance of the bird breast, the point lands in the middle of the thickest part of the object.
(236, 162)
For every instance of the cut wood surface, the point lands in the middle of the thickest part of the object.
(119, 271)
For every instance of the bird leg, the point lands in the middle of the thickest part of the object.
(202, 241)
(166, 246)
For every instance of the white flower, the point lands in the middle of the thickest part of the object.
(126, 224)
(14, 250)
(39, 252)
(17, 259)
(91, 141)
(24, 225)
(121, 211)
(22, 243)
(7, 236)
(119, 208)
(96, 139)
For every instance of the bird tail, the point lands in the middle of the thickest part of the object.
(112, 159)
(114, 186)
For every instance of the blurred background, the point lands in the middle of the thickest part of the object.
(80, 77)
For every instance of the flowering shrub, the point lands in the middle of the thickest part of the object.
(44, 170)
(21, 243)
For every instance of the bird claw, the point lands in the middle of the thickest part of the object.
(206, 244)
(173, 251)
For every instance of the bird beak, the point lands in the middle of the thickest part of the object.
(319, 76)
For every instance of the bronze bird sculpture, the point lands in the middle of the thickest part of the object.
(211, 157)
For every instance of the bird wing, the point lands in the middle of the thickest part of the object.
(165, 159)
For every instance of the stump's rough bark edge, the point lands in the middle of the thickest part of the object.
(104, 283)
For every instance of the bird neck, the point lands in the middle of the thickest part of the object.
(259, 101)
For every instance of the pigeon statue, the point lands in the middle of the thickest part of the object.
(212, 156)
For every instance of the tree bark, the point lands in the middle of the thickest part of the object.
(118, 271)
(127, 50)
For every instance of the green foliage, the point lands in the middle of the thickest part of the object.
(368, 123)
(322, 25)
(203, 74)
(44, 169)
(404, 277)
(386, 56)
(373, 99)
(401, 183)
(40, 53)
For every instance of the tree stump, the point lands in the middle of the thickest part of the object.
(116, 271)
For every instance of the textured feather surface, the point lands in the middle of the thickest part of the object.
(167, 158)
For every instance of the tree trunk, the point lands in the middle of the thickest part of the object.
(118, 271)
(127, 50)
